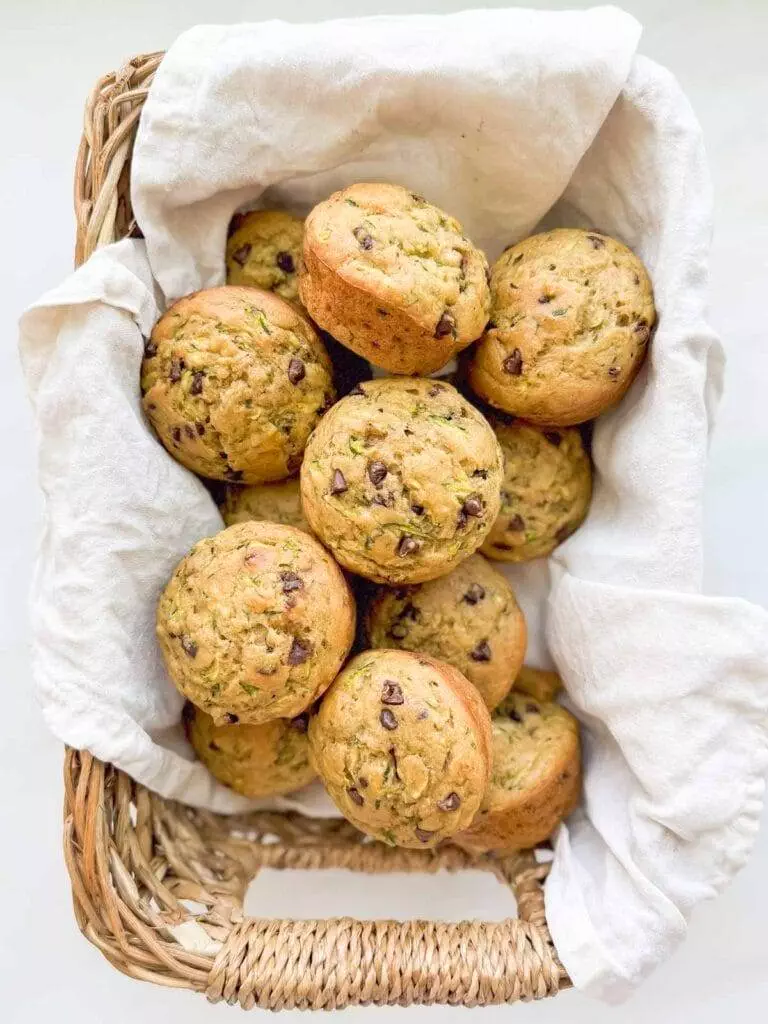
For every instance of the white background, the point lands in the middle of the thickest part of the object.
(52, 52)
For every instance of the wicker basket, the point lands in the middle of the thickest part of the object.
(137, 861)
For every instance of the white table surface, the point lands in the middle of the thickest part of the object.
(53, 51)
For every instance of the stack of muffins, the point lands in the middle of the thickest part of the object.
(392, 497)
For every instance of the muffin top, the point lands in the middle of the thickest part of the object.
(277, 503)
(264, 251)
(402, 743)
(401, 479)
(234, 379)
(468, 618)
(571, 316)
(255, 622)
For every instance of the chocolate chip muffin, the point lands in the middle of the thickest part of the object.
(277, 503)
(545, 494)
(468, 618)
(571, 317)
(538, 683)
(255, 623)
(393, 278)
(401, 480)
(255, 760)
(234, 380)
(403, 744)
(535, 779)
(264, 250)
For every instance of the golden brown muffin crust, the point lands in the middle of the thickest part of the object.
(264, 251)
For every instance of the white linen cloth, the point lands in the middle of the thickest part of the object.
(501, 117)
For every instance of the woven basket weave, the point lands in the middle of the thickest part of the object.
(159, 887)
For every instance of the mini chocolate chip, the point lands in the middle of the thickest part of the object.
(417, 198)
(382, 312)
(392, 693)
(399, 631)
(299, 652)
(461, 519)
(423, 834)
(196, 387)
(445, 325)
(449, 803)
(597, 242)
(377, 472)
(564, 532)
(545, 299)
(463, 265)
(362, 782)
(291, 581)
(338, 484)
(418, 510)
(473, 507)
(177, 366)
(501, 547)
(516, 523)
(176, 434)
(514, 715)
(200, 428)
(388, 720)
(223, 455)
(408, 545)
(301, 722)
(150, 349)
(434, 391)
(513, 364)
(240, 256)
(354, 795)
(482, 473)
(482, 652)
(422, 714)
(189, 646)
(189, 430)
(364, 240)
(232, 719)
(356, 390)
(637, 279)
(385, 501)
(553, 437)
(296, 371)
(532, 709)
(233, 474)
(284, 260)
(613, 372)
(474, 594)
(214, 746)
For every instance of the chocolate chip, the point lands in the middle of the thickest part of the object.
(196, 387)
(177, 366)
(338, 483)
(501, 547)
(532, 709)
(553, 437)
(223, 455)
(399, 631)
(474, 594)
(233, 474)
(189, 430)
(299, 652)
(408, 546)
(482, 473)
(214, 746)
(150, 349)
(482, 652)
(364, 240)
(463, 265)
(388, 720)
(301, 722)
(434, 391)
(382, 312)
(545, 299)
(362, 782)
(449, 803)
(232, 719)
(418, 510)
(513, 364)
(291, 582)
(356, 390)
(597, 242)
(377, 472)
(189, 646)
(422, 714)
(417, 198)
(514, 715)
(200, 428)
(613, 372)
(423, 834)
(564, 532)
(385, 501)
(354, 795)
(284, 260)
(445, 325)
(473, 507)
(392, 693)
(516, 523)
(240, 256)
(296, 371)
(410, 611)
(176, 434)
(461, 519)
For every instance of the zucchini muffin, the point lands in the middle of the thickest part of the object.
(255, 760)
(255, 623)
(571, 317)
(538, 683)
(264, 250)
(234, 380)
(393, 278)
(277, 503)
(401, 480)
(535, 779)
(545, 494)
(469, 618)
(403, 745)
